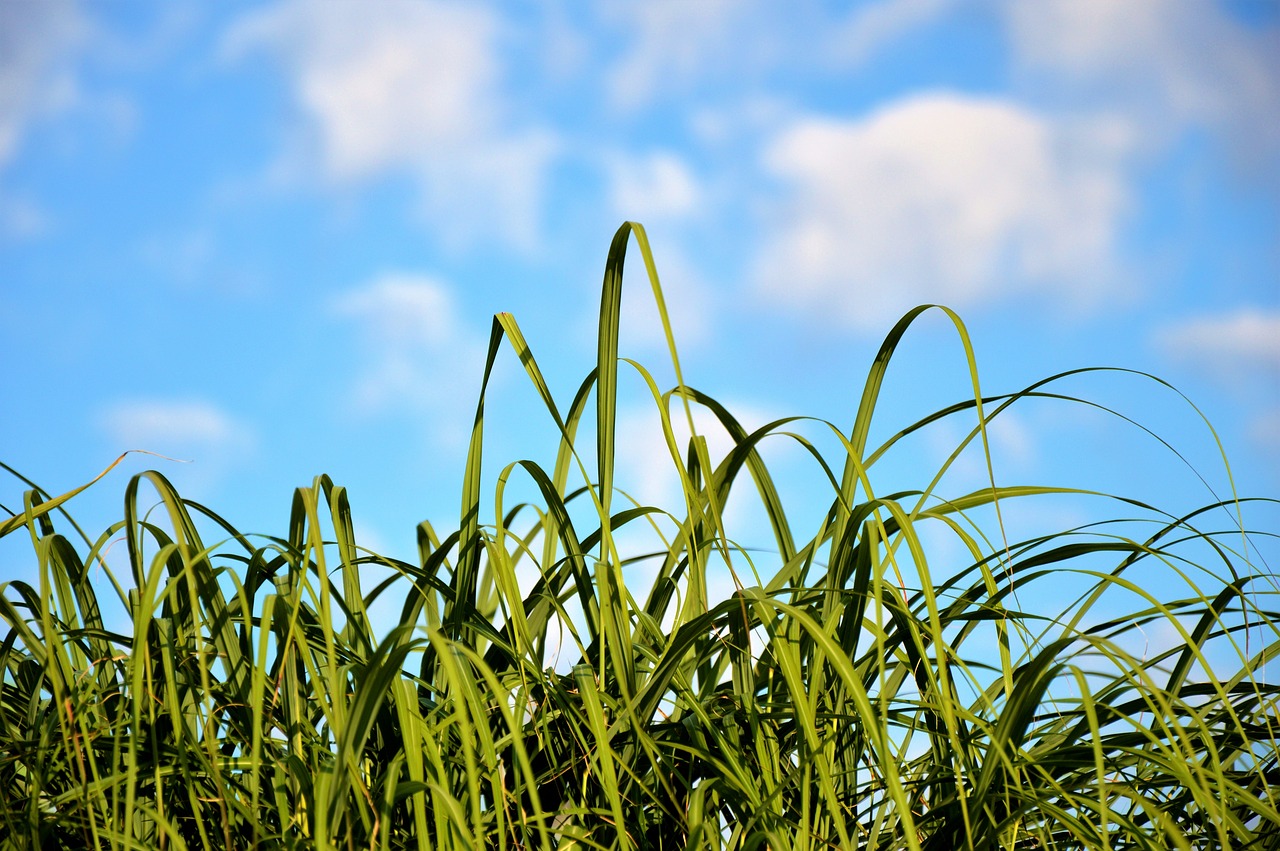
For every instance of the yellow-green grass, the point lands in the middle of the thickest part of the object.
(854, 691)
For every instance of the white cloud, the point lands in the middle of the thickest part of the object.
(1246, 341)
(185, 256)
(1012, 440)
(1166, 65)
(720, 126)
(684, 291)
(873, 26)
(408, 87)
(1241, 352)
(653, 186)
(402, 309)
(185, 429)
(419, 355)
(647, 471)
(20, 218)
(939, 198)
(1013, 443)
(38, 43)
(1171, 64)
(673, 42)
(1264, 431)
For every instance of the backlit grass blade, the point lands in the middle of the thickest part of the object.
(894, 672)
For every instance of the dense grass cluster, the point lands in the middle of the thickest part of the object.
(852, 693)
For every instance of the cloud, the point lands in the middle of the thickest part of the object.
(417, 354)
(21, 218)
(1172, 64)
(939, 198)
(1015, 450)
(673, 43)
(647, 471)
(1240, 351)
(184, 257)
(873, 26)
(653, 186)
(685, 293)
(38, 45)
(1229, 345)
(413, 88)
(660, 190)
(193, 429)
(1166, 66)
(1264, 431)
(402, 309)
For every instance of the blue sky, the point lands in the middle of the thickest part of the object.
(269, 238)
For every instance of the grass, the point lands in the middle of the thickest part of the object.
(856, 690)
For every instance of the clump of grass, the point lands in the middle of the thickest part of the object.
(852, 692)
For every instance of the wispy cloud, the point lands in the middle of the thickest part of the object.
(688, 298)
(184, 429)
(672, 44)
(652, 186)
(38, 44)
(174, 427)
(1227, 345)
(21, 218)
(648, 471)
(185, 257)
(1239, 350)
(939, 198)
(412, 88)
(1264, 431)
(1011, 440)
(416, 354)
(661, 191)
(1170, 65)
(871, 27)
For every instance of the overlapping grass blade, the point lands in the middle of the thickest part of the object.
(858, 689)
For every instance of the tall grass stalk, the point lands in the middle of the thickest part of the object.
(856, 690)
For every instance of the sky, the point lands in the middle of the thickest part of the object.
(268, 239)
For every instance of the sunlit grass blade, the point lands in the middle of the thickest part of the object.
(896, 671)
